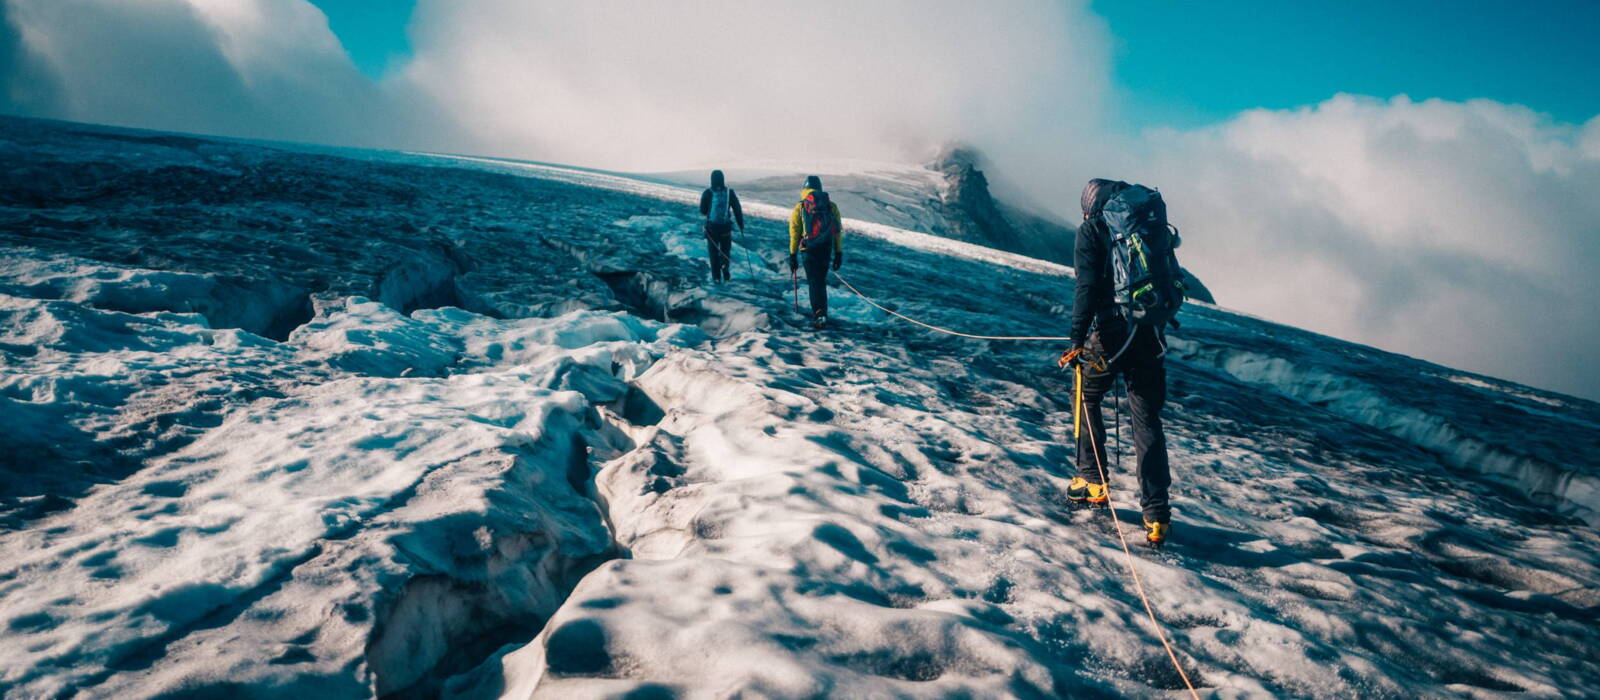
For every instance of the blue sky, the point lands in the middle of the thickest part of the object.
(1186, 64)
(1190, 63)
(373, 31)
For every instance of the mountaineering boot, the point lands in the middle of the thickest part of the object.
(819, 322)
(1155, 533)
(1079, 490)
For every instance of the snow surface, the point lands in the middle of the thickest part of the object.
(297, 421)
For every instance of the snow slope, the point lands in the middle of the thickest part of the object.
(290, 420)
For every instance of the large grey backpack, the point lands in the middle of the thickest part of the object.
(1147, 284)
(719, 213)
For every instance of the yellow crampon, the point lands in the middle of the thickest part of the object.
(1156, 533)
(1081, 490)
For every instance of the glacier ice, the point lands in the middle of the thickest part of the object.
(280, 419)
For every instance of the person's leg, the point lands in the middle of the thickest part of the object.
(711, 251)
(1147, 395)
(817, 279)
(1092, 465)
(722, 258)
(727, 255)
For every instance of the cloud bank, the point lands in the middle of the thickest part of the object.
(259, 68)
(1459, 232)
(1464, 233)
(644, 86)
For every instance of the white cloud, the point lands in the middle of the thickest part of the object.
(1465, 233)
(651, 85)
(260, 68)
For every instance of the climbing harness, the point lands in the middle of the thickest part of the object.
(930, 326)
(1127, 552)
(1084, 355)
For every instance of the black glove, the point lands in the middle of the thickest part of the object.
(838, 259)
(794, 263)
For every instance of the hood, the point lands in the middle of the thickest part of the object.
(716, 180)
(813, 182)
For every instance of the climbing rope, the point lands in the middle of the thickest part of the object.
(930, 326)
(1127, 552)
(1078, 410)
(727, 255)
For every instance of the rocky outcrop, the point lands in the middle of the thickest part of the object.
(972, 214)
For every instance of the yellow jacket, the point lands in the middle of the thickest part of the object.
(797, 226)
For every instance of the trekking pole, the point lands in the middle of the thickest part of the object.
(1117, 437)
(747, 264)
(795, 275)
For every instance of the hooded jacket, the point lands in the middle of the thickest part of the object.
(797, 225)
(1091, 262)
(717, 183)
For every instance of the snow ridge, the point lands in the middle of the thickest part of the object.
(1574, 493)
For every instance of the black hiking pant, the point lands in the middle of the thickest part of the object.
(815, 260)
(1145, 373)
(719, 246)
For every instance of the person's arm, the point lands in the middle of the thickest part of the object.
(738, 212)
(838, 230)
(705, 202)
(1087, 260)
(795, 227)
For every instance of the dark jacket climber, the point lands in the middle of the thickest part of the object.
(1098, 333)
(720, 206)
(817, 231)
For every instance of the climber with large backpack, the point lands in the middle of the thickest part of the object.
(1129, 287)
(720, 206)
(816, 232)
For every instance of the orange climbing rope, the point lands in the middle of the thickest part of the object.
(1126, 551)
(1077, 411)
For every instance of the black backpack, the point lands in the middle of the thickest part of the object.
(1147, 284)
